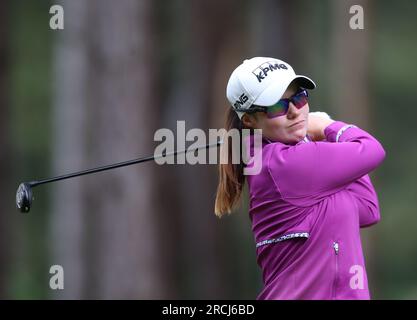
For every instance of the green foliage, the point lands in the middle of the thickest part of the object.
(30, 51)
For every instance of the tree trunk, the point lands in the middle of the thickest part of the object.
(68, 212)
(350, 65)
(203, 258)
(105, 226)
(350, 91)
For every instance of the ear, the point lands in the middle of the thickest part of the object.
(249, 121)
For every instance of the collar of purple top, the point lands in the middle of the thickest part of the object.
(249, 141)
(306, 139)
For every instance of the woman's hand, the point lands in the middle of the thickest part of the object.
(317, 122)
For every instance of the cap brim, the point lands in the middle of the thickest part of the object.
(276, 90)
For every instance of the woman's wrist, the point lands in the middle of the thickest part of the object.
(317, 132)
(317, 123)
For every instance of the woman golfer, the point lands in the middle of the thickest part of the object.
(312, 194)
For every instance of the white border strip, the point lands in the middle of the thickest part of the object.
(286, 237)
(343, 129)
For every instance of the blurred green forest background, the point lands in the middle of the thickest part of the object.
(95, 93)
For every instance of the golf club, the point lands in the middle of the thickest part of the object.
(24, 194)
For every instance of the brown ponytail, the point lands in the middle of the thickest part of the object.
(231, 177)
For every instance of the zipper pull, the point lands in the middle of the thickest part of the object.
(336, 247)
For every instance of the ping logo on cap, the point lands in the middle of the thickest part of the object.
(242, 99)
(261, 72)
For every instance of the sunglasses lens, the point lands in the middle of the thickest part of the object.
(278, 109)
(281, 107)
(300, 99)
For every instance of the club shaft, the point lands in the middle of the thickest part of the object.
(120, 164)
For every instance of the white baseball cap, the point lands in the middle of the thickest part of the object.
(261, 81)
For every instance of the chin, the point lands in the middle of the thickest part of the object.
(292, 138)
(295, 138)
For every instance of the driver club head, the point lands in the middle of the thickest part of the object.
(24, 197)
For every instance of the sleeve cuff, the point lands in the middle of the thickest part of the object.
(334, 131)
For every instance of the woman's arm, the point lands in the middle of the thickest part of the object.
(311, 168)
(367, 200)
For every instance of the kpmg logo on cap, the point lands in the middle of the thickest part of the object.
(261, 72)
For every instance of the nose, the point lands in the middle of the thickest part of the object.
(293, 111)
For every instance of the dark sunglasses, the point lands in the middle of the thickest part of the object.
(281, 107)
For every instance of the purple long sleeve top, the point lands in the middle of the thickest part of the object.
(307, 206)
